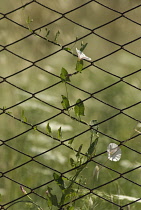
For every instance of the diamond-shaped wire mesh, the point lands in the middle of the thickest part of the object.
(35, 40)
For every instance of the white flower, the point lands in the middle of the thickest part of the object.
(114, 152)
(82, 56)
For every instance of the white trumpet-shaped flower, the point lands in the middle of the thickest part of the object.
(82, 56)
(114, 152)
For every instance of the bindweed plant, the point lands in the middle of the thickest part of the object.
(69, 187)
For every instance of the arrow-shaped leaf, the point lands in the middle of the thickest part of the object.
(83, 46)
(56, 36)
(92, 147)
(59, 181)
(79, 65)
(72, 162)
(23, 116)
(52, 198)
(64, 75)
(59, 133)
(71, 141)
(48, 129)
(65, 102)
(79, 108)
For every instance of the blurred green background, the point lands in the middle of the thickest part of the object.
(103, 73)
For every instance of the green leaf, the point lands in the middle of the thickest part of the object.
(71, 141)
(64, 75)
(65, 102)
(79, 150)
(79, 65)
(72, 162)
(24, 119)
(9, 113)
(59, 133)
(48, 129)
(28, 21)
(35, 128)
(47, 32)
(51, 197)
(79, 108)
(83, 46)
(92, 147)
(59, 181)
(56, 36)
(67, 49)
(94, 129)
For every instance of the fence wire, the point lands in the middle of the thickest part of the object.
(20, 43)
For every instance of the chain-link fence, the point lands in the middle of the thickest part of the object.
(41, 131)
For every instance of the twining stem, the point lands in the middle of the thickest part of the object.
(67, 96)
(66, 90)
(73, 179)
